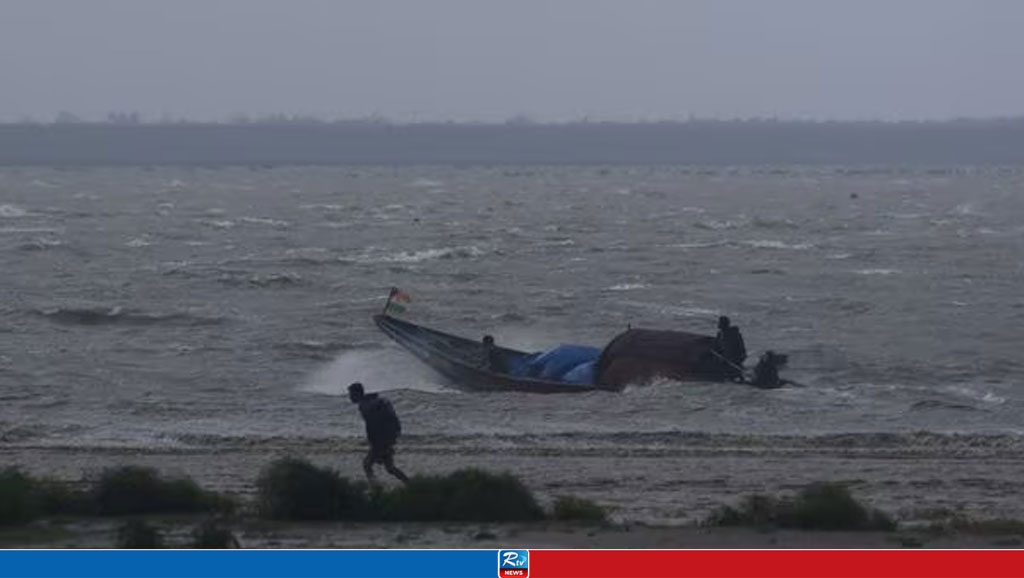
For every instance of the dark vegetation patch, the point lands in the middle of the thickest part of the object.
(468, 495)
(572, 508)
(213, 533)
(293, 489)
(24, 498)
(820, 506)
(119, 491)
(958, 521)
(137, 490)
(138, 534)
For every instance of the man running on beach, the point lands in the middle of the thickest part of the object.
(382, 430)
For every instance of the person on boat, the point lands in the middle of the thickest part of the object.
(766, 372)
(382, 430)
(492, 360)
(729, 344)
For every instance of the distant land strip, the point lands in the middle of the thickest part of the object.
(761, 142)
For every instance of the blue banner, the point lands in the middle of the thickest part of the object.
(249, 563)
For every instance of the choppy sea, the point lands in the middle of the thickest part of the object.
(182, 307)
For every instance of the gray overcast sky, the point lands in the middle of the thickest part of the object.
(490, 60)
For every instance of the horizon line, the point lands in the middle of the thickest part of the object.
(134, 120)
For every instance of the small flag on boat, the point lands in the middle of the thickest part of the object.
(395, 301)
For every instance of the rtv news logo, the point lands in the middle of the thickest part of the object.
(513, 563)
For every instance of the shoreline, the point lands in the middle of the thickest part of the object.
(678, 488)
(99, 533)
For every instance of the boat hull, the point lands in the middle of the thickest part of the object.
(461, 360)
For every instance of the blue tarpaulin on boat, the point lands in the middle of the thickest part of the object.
(558, 363)
(584, 373)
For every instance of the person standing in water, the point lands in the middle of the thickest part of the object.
(729, 344)
(382, 430)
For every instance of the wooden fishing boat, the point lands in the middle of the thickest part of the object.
(465, 362)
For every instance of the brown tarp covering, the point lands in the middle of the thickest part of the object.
(639, 355)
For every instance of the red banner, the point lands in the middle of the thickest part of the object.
(776, 563)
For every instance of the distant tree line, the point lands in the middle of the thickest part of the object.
(278, 119)
(126, 139)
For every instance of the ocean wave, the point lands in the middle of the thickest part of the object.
(287, 279)
(463, 252)
(704, 245)
(12, 212)
(218, 223)
(327, 207)
(628, 286)
(877, 272)
(426, 183)
(651, 443)
(277, 224)
(772, 244)
(17, 230)
(40, 244)
(934, 404)
(321, 350)
(138, 242)
(713, 225)
(680, 310)
(966, 209)
(105, 315)
(773, 223)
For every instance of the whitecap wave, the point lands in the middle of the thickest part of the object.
(628, 286)
(774, 223)
(40, 244)
(705, 245)
(218, 223)
(265, 221)
(772, 244)
(680, 310)
(714, 225)
(877, 271)
(426, 183)
(966, 209)
(15, 230)
(467, 252)
(12, 212)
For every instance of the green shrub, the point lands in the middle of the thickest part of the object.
(465, 495)
(17, 497)
(213, 534)
(24, 498)
(138, 534)
(820, 506)
(958, 521)
(57, 498)
(139, 490)
(572, 508)
(294, 489)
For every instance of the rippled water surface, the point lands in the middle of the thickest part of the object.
(187, 306)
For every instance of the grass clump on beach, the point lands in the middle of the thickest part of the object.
(467, 495)
(213, 534)
(820, 506)
(576, 509)
(24, 498)
(16, 497)
(131, 490)
(138, 534)
(946, 520)
(294, 489)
